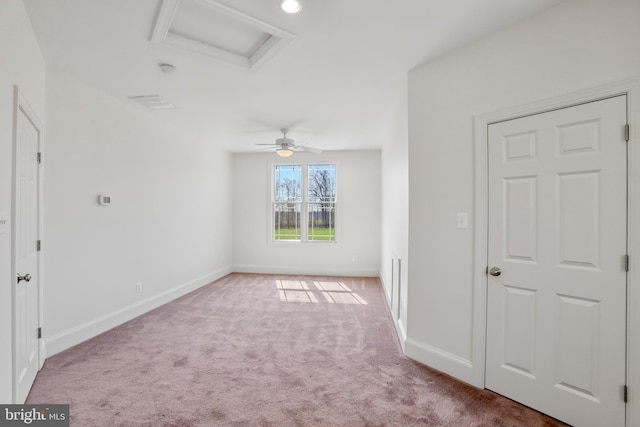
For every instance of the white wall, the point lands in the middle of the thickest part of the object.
(169, 225)
(576, 45)
(358, 218)
(22, 65)
(395, 207)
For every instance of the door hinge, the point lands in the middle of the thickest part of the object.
(39, 245)
(626, 263)
(627, 131)
(40, 333)
(625, 393)
(486, 271)
(39, 157)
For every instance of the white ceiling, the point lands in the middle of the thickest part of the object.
(336, 84)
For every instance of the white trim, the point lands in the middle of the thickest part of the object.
(436, 358)
(401, 331)
(73, 336)
(166, 13)
(277, 37)
(633, 301)
(631, 88)
(20, 102)
(396, 296)
(305, 271)
(480, 259)
(387, 295)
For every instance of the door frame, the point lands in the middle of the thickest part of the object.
(631, 88)
(20, 103)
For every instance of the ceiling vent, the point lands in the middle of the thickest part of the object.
(213, 29)
(154, 102)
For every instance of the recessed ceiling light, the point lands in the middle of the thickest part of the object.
(291, 6)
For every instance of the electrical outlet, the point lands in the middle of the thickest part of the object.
(138, 287)
(354, 258)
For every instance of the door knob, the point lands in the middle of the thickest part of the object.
(495, 271)
(26, 277)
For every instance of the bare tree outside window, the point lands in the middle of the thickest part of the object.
(322, 202)
(304, 202)
(287, 202)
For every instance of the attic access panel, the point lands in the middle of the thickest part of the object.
(213, 29)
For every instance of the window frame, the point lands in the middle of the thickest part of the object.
(304, 210)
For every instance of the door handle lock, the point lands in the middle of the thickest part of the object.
(495, 271)
(25, 277)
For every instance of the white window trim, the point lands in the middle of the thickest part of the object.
(304, 212)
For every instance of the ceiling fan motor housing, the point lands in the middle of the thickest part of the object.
(285, 141)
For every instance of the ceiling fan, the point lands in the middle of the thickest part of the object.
(286, 146)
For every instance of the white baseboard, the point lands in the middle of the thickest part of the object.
(42, 355)
(402, 334)
(387, 295)
(401, 331)
(305, 271)
(85, 331)
(441, 360)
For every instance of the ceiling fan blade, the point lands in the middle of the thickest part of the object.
(256, 131)
(309, 149)
(271, 145)
(255, 125)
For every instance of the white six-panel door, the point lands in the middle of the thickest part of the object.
(556, 313)
(26, 292)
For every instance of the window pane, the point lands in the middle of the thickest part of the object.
(288, 183)
(322, 183)
(287, 221)
(322, 202)
(322, 220)
(287, 204)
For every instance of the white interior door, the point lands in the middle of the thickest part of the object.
(26, 285)
(556, 314)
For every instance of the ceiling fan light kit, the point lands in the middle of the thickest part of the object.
(286, 146)
(291, 6)
(284, 152)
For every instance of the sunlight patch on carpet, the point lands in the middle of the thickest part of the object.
(331, 292)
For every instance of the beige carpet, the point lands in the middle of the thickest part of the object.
(256, 350)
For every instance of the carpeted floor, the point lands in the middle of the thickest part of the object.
(257, 350)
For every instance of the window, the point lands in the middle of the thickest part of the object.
(304, 203)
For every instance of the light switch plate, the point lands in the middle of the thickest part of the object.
(462, 220)
(4, 222)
